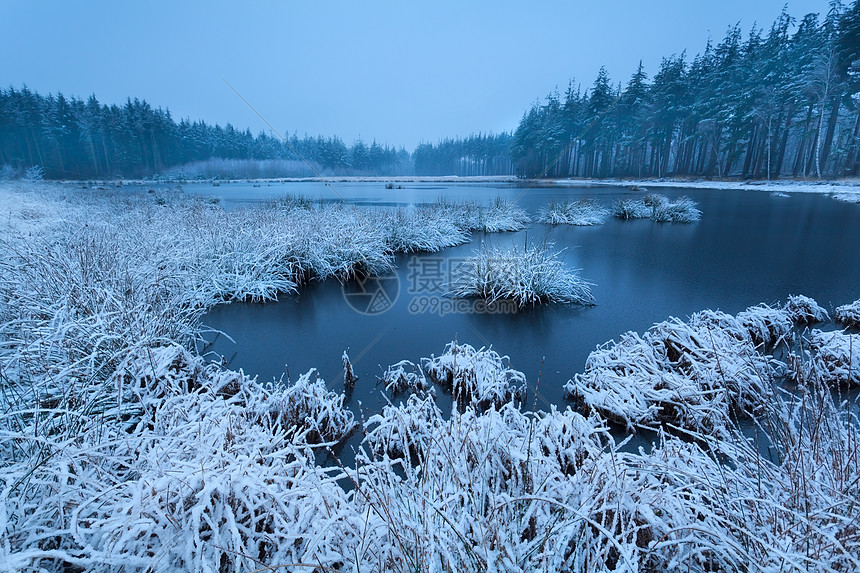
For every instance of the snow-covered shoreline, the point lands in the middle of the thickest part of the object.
(332, 179)
(849, 188)
(776, 184)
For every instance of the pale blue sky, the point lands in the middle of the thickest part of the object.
(401, 72)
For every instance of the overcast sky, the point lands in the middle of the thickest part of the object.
(398, 71)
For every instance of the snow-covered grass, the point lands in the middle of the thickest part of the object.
(88, 277)
(627, 209)
(694, 374)
(584, 212)
(211, 484)
(425, 228)
(122, 450)
(658, 208)
(848, 315)
(178, 466)
(498, 215)
(431, 228)
(830, 357)
(505, 490)
(528, 276)
(804, 310)
(688, 374)
(478, 377)
(767, 326)
(406, 376)
(403, 431)
(681, 210)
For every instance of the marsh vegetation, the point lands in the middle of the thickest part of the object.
(124, 449)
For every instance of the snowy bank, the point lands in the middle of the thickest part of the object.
(843, 190)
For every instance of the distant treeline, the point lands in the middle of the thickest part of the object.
(780, 103)
(77, 139)
(70, 138)
(475, 155)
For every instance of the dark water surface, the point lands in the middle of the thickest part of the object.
(748, 248)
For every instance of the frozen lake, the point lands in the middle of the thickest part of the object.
(748, 248)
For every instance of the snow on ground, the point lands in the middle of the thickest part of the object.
(847, 197)
(120, 449)
(848, 190)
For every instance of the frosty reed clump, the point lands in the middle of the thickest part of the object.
(682, 210)
(659, 208)
(690, 374)
(477, 377)
(406, 376)
(803, 310)
(584, 212)
(587, 212)
(480, 378)
(423, 229)
(443, 224)
(831, 357)
(528, 276)
(767, 326)
(627, 209)
(848, 315)
(695, 374)
(122, 450)
(499, 215)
